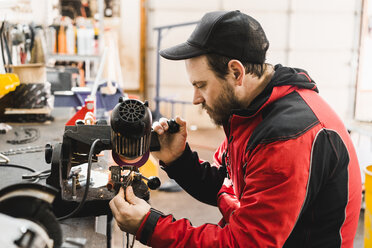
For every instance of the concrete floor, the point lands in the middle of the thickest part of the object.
(180, 204)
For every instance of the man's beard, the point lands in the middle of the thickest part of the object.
(223, 105)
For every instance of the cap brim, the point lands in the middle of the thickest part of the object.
(182, 51)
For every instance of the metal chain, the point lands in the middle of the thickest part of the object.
(22, 150)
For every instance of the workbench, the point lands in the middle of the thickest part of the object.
(51, 132)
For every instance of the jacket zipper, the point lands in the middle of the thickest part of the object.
(228, 155)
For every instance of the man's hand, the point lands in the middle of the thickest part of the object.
(129, 210)
(172, 145)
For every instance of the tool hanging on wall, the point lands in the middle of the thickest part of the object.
(8, 81)
(29, 101)
(23, 44)
(4, 45)
(17, 37)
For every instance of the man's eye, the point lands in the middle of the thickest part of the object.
(199, 86)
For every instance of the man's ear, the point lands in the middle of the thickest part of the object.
(237, 69)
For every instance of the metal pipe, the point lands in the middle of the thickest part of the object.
(99, 73)
(157, 83)
(74, 185)
(157, 103)
(176, 25)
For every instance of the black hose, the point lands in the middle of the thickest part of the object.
(35, 180)
(17, 166)
(76, 210)
(109, 229)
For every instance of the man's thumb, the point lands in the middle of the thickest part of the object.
(130, 196)
(121, 192)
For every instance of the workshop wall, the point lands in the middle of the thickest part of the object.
(39, 12)
(320, 36)
(128, 26)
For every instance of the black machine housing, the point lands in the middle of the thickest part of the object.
(129, 136)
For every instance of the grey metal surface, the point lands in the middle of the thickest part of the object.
(49, 132)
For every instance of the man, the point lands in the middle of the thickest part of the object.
(286, 174)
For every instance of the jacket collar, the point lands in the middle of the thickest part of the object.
(284, 81)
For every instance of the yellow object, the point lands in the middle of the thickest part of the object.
(8, 83)
(150, 168)
(368, 209)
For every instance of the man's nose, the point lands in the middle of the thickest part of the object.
(198, 99)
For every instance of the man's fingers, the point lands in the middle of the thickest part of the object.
(160, 126)
(129, 211)
(117, 215)
(119, 200)
(130, 196)
(180, 121)
(121, 192)
(157, 127)
(164, 123)
(114, 209)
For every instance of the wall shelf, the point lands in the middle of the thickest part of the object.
(73, 57)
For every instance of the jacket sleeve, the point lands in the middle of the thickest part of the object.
(275, 188)
(199, 178)
(227, 201)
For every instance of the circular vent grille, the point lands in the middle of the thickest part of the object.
(131, 110)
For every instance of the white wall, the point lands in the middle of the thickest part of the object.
(27, 11)
(318, 36)
(127, 30)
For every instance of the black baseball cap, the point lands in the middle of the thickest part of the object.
(229, 33)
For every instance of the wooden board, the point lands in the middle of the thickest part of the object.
(30, 73)
(13, 111)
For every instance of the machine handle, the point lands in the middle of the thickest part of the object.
(174, 127)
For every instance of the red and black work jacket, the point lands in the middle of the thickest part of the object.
(286, 175)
